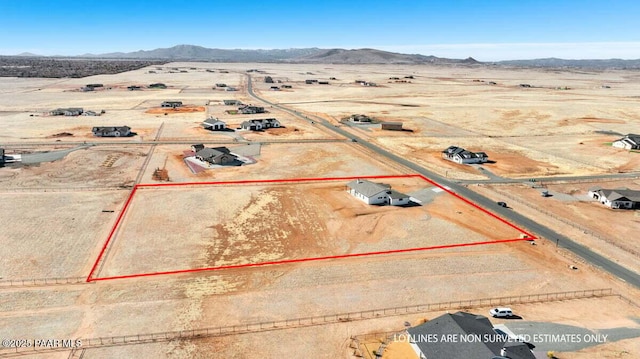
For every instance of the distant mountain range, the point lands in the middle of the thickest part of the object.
(339, 56)
(553, 62)
(304, 55)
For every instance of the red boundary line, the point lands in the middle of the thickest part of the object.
(299, 260)
(294, 180)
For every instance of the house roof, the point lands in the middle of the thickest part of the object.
(460, 324)
(368, 188)
(454, 150)
(212, 121)
(620, 194)
(111, 128)
(208, 153)
(633, 137)
(393, 194)
(517, 350)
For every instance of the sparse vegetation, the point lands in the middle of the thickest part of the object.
(11, 66)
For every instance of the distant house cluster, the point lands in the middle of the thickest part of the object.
(616, 198)
(215, 155)
(112, 131)
(71, 111)
(376, 193)
(628, 142)
(260, 124)
(462, 156)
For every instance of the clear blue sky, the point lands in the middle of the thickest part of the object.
(486, 30)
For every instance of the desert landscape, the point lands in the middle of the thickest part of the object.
(276, 258)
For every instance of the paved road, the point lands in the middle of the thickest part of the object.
(538, 229)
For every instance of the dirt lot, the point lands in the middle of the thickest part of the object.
(53, 240)
(60, 232)
(99, 167)
(254, 224)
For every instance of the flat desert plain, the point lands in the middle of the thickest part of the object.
(73, 191)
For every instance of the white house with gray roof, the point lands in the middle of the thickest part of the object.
(214, 124)
(376, 193)
(616, 198)
(462, 156)
(628, 142)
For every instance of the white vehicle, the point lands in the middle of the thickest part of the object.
(501, 312)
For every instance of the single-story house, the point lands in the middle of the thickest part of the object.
(629, 142)
(259, 124)
(462, 156)
(214, 124)
(484, 343)
(158, 85)
(90, 113)
(310, 82)
(112, 131)
(392, 126)
(216, 155)
(1, 155)
(286, 86)
(323, 82)
(232, 102)
(248, 109)
(231, 89)
(172, 104)
(75, 111)
(94, 85)
(252, 126)
(134, 88)
(376, 193)
(274, 88)
(360, 118)
(72, 111)
(268, 79)
(221, 85)
(616, 198)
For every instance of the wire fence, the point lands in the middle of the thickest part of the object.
(314, 321)
(66, 189)
(30, 282)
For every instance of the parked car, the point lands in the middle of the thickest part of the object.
(501, 312)
(502, 204)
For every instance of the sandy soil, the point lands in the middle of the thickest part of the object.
(182, 109)
(253, 224)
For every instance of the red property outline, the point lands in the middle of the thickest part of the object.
(125, 207)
